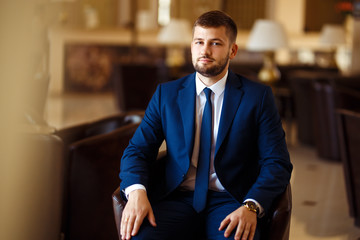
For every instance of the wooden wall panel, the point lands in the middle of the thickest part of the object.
(245, 12)
(320, 12)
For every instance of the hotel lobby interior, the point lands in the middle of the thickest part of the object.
(79, 67)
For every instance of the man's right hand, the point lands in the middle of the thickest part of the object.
(136, 209)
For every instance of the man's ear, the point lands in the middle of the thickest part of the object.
(233, 50)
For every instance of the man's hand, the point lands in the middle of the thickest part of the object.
(136, 209)
(243, 220)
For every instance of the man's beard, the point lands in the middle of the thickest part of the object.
(213, 70)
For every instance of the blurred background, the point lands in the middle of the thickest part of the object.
(68, 67)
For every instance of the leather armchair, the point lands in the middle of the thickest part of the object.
(93, 175)
(349, 128)
(81, 134)
(277, 227)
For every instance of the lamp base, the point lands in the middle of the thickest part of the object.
(326, 58)
(175, 56)
(269, 73)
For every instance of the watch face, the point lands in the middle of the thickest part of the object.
(251, 205)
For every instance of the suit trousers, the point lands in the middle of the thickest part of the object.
(176, 218)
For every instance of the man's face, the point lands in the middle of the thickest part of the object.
(211, 51)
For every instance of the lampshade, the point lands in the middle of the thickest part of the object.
(332, 35)
(266, 35)
(177, 32)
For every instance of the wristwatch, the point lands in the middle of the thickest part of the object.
(251, 206)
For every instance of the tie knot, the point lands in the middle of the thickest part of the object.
(208, 92)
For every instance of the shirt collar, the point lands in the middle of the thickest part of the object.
(218, 88)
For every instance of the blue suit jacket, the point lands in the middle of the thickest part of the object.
(251, 157)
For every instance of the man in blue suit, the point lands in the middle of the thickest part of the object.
(246, 159)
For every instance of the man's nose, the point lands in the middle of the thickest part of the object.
(205, 50)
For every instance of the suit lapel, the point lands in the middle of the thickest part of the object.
(232, 98)
(186, 102)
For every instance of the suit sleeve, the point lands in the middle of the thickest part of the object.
(144, 146)
(274, 161)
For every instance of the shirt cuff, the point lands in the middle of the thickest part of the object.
(261, 209)
(133, 187)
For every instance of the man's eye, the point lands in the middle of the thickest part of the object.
(216, 44)
(198, 42)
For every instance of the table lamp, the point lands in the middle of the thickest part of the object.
(176, 35)
(267, 36)
(331, 36)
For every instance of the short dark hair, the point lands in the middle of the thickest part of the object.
(218, 18)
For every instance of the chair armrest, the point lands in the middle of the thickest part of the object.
(279, 226)
(119, 203)
(118, 206)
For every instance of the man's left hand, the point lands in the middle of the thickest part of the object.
(243, 220)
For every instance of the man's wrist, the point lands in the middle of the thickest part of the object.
(251, 206)
(132, 188)
(254, 206)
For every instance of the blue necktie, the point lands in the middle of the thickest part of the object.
(202, 173)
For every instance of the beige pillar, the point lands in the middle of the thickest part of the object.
(30, 201)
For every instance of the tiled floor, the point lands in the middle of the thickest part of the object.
(320, 210)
